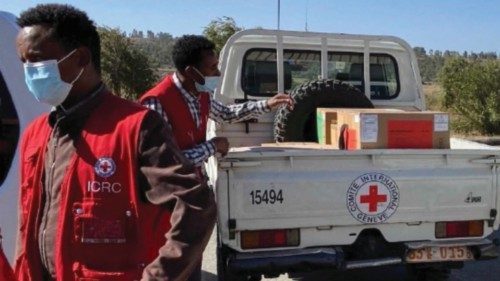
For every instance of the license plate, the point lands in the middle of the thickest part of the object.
(436, 254)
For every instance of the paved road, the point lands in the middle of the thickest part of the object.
(473, 271)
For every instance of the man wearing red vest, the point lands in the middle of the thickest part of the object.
(184, 99)
(105, 194)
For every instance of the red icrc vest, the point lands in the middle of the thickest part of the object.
(106, 230)
(183, 125)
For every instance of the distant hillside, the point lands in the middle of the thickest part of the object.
(431, 62)
(158, 47)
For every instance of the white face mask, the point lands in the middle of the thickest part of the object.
(211, 83)
(44, 81)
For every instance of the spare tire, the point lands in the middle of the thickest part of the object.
(299, 124)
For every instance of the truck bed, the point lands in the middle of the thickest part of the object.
(314, 188)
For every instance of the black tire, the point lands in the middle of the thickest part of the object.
(437, 273)
(223, 273)
(299, 124)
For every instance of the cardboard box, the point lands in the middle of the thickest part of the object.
(325, 117)
(380, 128)
(326, 121)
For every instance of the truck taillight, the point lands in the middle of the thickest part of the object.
(255, 239)
(451, 229)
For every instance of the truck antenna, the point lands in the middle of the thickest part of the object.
(279, 14)
(307, 12)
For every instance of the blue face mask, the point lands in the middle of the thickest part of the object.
(44, 81)
(211, 83)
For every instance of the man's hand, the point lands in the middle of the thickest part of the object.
(279, 100)
(221, 145)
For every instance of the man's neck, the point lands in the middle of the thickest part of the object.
(187, 84)
(80, 94)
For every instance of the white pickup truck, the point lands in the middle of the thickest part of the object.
(289, 208)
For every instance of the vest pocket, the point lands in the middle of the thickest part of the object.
(96, 223)
(104, 234)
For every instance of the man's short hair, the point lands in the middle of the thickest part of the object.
(188, 49)
(71, 27)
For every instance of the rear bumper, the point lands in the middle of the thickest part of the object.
(286, 260)
(300, 260)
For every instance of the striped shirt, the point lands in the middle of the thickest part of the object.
(219, 112)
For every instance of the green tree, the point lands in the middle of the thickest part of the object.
(219, 30)
(472, 91)
(125, 69)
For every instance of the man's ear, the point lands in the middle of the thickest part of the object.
(85, 57)
(194, 74)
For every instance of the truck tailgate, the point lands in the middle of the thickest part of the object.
(262, 188)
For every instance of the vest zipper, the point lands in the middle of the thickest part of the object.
(55, 140)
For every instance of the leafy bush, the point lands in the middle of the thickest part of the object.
(472, 91)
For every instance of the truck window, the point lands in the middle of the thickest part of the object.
(304, 66)
(9, 130)
(384, 77)
(259, 76)
(349, 67)
(260, 73)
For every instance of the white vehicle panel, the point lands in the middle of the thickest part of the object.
(434, 185)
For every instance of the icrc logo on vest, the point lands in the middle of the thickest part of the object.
(372, 198)
(104, 187)
(105, 167)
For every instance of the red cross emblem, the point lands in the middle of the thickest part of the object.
(373, 198)
(105, 167)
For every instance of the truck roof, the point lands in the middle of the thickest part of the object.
(315, 38)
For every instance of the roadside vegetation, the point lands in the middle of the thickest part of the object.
(472, 93)
(126, 69)
(467, 85)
